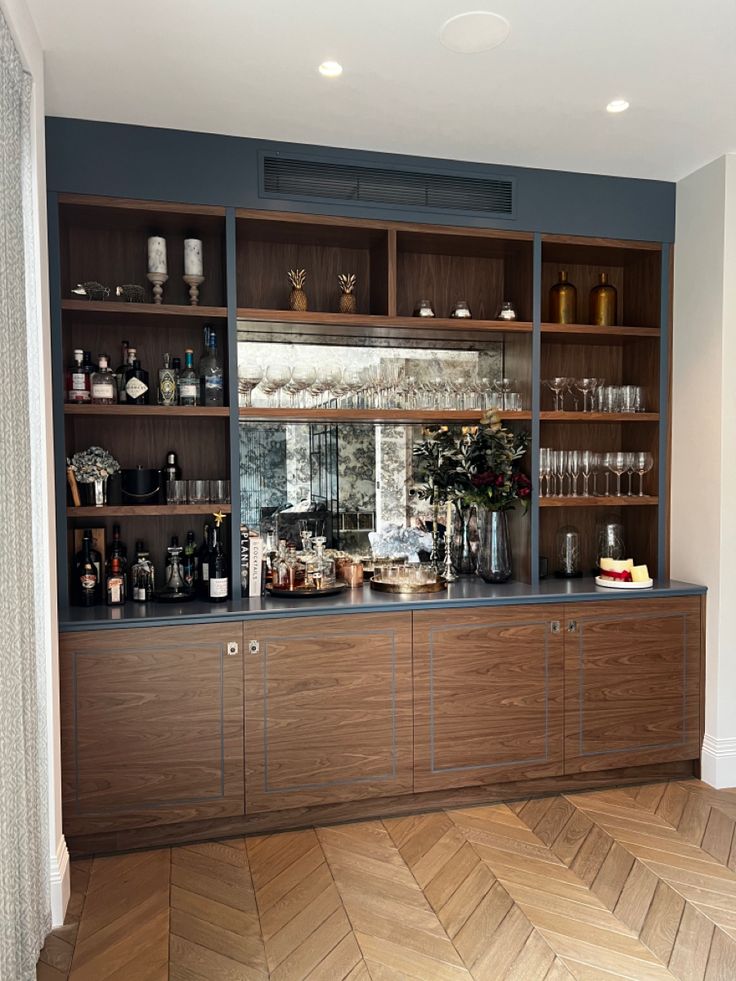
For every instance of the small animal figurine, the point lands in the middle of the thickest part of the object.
(92, 290)
(131, 292)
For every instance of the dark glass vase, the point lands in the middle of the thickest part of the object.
(463, 552)
(494, 546)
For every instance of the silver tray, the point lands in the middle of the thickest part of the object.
(307, 592)
(408, 588)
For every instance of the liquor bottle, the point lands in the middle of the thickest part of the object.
(136, 384)
(87, 580)
(211, 377)
(88, 368)
(120, 372)
(188, 384)
(118, 550)
(219, 574)
(77, 380)
(189, 563)
(142, 575)
(166, 383)
(102, 384)
(115, 584)
(203, 564)
(170, 471)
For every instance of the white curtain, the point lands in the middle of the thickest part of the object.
(24, 885)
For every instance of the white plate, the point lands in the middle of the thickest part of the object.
(620, 584)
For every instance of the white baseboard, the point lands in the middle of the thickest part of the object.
(59, 882)
(718, 762)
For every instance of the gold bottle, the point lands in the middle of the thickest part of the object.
(563, 302)
(603, 303)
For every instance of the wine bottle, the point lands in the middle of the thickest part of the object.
(204, 564)
(136, 384)
(102, 384)
(115, 584)
(77, 380)
(212, 380)
(219, 578)
(188, 386)
(142, 575)
(120, 371)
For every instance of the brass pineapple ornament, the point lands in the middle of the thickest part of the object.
(348, 302)
(297, 296)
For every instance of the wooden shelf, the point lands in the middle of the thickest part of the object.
(550, 416)
(146, 511)
(313, 317)
(587, 333)
(372, 415)
(174, 411)
(148, 314)
(612, 501)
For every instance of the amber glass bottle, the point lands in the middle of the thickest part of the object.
(603, 303)
(563, 301)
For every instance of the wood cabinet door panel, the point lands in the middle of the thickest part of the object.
(488, 691)
(328, 709)
(152, 726)
(632, 670)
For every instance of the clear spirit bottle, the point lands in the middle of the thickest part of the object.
(104, 389)
(212, 379)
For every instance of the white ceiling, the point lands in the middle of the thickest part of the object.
(248, 68)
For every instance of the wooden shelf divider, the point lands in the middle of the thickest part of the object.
(145, 510)
(612, 501)
(266, 414)
(173, 411)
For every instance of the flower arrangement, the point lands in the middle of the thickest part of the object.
(478, 465)
(93, 464)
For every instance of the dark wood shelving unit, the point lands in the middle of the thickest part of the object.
(396, 264)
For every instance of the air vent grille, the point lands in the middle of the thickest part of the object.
(289, 177)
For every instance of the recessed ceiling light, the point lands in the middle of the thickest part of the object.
(330, 69)
(475, 31)
(617, 105)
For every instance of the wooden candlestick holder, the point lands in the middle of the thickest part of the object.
(193, 282)
(158, 280)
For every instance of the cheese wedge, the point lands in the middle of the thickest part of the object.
(639, 573)
(616, 565)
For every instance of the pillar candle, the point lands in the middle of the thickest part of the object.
(448, 521)
(157, 254)
(193, 257)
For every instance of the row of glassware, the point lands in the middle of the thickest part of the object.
(198, 492)
(596, 395)
(384, 385)
(586, 473)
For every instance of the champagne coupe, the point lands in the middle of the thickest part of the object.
(558, 386)
(574, 462)
(503, 386)
(644, 463)
(586, 386)
(249, 376)
(618, 463)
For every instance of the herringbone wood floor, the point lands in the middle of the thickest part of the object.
(635, 883)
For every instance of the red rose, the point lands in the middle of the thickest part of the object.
(499, 480)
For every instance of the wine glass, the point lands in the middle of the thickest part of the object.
(545, 470)
(503, 386)
(277, 376)
(332, 376)
(249, 376)
(558, 386)
(574, 462)
(643, 464)
(586, 386)
(630, 470)
(587, 465)
(618, 463)
(303, 376)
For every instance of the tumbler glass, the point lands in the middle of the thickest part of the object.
(220, 491)
(176, 492)
(198, 491)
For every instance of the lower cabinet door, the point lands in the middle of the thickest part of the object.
(328, 709)
(632, 682)
(488, 692)
(152, 726)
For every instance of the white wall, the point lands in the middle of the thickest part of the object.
(29, 46)
(704, 436)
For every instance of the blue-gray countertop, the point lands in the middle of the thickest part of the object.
(466, 592)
